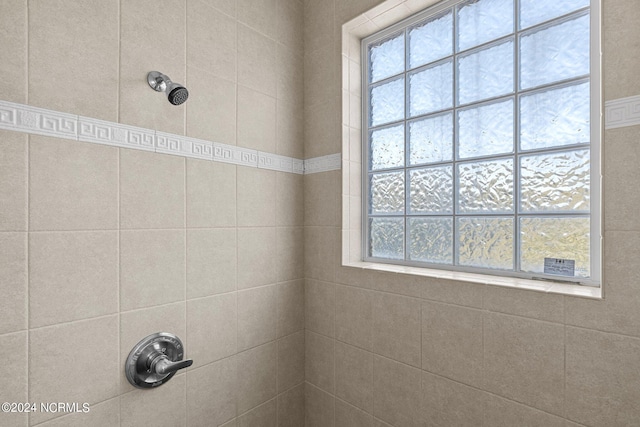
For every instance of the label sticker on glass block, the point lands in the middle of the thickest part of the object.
(559, 266)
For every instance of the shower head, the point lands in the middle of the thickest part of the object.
(176, 93)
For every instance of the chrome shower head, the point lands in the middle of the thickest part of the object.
(176, 93)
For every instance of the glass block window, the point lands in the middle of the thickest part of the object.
(479, 140)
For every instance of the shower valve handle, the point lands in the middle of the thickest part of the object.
(165, 366)
(154, 360)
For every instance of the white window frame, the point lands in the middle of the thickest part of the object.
(383, 20)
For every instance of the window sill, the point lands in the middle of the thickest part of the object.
(508, 282)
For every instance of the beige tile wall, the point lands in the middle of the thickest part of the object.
(387, 349)
(101, 246)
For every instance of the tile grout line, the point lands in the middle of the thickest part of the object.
(119, 221)
(184, 206)
(28, 222)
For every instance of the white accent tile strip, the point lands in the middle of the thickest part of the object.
(24, 118)
(331, 162)
(275, 162)
(115, 134)
(235, 155)
(298, 166)
(33, 120)
(183, 146)
(622, 112)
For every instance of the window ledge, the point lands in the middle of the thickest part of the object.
(550, 287)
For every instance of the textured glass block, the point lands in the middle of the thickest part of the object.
(431, 40)
(555, 182)
(431, 140)
(535, 11)
(486, 73)
(480, 21)
(431, 89)
(485, 187)
(387, 148)
(386, 238)
(485, 242)
(387, 102)
(387, 193)
(553, 237)
(431, 240)
(555, 53)
(485, 130)
(386, 58)
(555, 117)
(431, 190)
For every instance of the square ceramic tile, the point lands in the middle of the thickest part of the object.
(256, 120)
(13, 66)
(524, 360)
(319, 407)
(446, 402)
(166, 405)
(452, 342)
(256, 316)
(211, 393)
(256, 197)
(291, 407)
(602, 378)
(152, 190)
(259, 15)
(72, 185)
(211, 40)
(14, 371)
(397, 328)
(212, 107)
(290, 307)
(54, 379)
(291, 360)
(289, 199)
(257, 266)
(66, 46)
(320, 307)
(14, 176)
(211, 261)
(13, 287)
(217, 313)
(152, 267)
(354, 316)
(72, 276)
(350, 416)
(354, 376)
(211, 194)
(290, 247)
(396, 392)
(256, 376)
(256, 61)
(320, 361)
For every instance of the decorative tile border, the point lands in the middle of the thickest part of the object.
(115, 134)
(24, 118)
(323, 164)
(622, 112)
(27, 119)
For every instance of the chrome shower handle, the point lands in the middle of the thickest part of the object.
(164, 366)
(154, 360)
